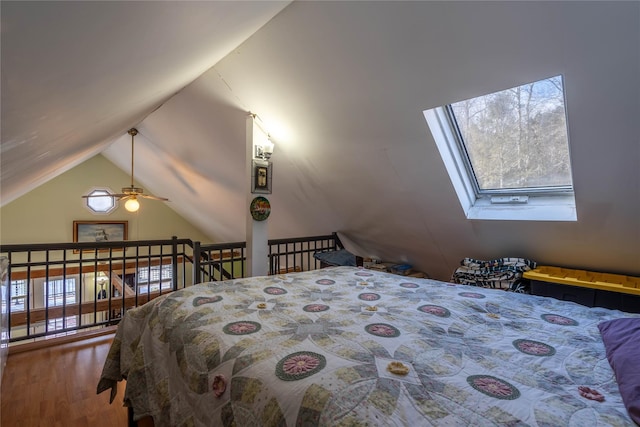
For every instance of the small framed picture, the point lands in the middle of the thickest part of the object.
(100, 231)
(261, 174)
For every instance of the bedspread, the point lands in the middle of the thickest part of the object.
(316, 348)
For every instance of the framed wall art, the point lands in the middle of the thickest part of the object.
(100, 231)
(260, 208)
(261, 174)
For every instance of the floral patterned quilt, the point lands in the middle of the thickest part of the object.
(344, 346)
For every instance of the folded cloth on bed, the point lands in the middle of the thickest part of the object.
(501, 273)
(621, 339)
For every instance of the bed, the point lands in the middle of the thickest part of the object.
(349, 346)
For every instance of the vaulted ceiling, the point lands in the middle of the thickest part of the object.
(341, 87)
(76, 75)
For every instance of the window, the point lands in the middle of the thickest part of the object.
(101, 201)
(62, 323)
(59, 292)
(152, 278)
(18, 295)
(507, 152)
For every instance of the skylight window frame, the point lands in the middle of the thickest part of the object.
(459, 141)
(551, 203)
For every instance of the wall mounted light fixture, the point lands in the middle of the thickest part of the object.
(265, 150)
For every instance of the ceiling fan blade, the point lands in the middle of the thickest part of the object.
(126, 196)
(149, 196)
(104, 195)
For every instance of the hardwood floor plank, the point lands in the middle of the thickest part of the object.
(56, 386)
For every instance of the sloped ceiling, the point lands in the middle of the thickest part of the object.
(75, 75)
(341, 87)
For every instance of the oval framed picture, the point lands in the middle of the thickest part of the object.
(260, 208)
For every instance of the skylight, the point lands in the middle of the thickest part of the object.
(507, 152)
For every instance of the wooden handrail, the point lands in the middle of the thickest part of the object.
(89, 307)
(116, 267)
(117, 283)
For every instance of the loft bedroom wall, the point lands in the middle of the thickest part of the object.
(76, 75)
(341, 87)
(46, 214)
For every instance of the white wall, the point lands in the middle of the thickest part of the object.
(46, 214)
(341, 87)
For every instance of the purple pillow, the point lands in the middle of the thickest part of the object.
(622, 342)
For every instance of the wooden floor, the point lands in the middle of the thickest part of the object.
(56, 387)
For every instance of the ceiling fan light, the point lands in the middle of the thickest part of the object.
(132, 205)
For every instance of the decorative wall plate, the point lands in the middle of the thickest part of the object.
(260, 208)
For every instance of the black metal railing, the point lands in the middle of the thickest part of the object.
(61, 288)
(296, 254)
(220, 261)
(223, 261)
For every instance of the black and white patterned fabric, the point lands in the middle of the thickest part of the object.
(501, 273)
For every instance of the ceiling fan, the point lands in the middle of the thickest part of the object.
(131, 193)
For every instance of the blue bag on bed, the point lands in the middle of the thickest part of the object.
(336, 258)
